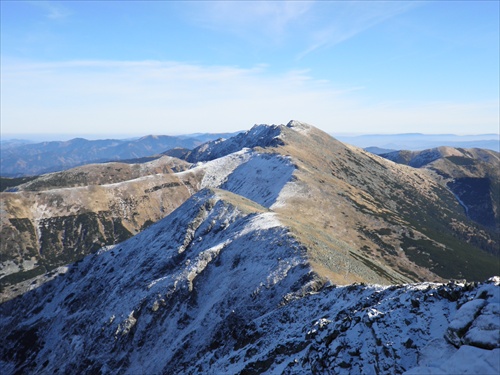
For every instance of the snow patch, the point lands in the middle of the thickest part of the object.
(298, 126)
(217, 171)
(261, 178)
(261, 222)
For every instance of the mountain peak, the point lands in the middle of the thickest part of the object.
(298, 125)
(260, 135)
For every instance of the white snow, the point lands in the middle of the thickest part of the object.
(260, 222)
(240, 296)
(485, 330)
(467, 314)
(217, 171)
(256, 176)
(298, 126)
(466, 360)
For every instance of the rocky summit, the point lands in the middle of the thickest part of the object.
(283, 251)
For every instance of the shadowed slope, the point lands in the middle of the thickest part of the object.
(473, 175)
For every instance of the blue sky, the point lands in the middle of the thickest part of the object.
(182, 67)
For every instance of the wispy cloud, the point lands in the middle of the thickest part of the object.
(168, 97)
(251, 19)
(342, 20)
(305, 25)
(53, 10)
(115, 95)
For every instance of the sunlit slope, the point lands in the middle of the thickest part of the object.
(353, 209)
(58, 218)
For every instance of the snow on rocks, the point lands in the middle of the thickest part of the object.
(298, 126)
(256, 176)
(475, 330)
(463, 320)
(477, 322)
(466, 360)
(240, 297)
(485, 330)
(257, 136)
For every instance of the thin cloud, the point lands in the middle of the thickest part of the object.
(304, 25)
(102, 94)
(344, 20)
(166, 97)
(251, 19)
(54, 11)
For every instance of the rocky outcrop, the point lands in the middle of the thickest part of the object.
(472, 338)
(477, 322)
(257, 136)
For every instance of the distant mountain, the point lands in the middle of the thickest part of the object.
(416, 141)
(9, 143)
(378, 150)
(473, 175)
(38, 158)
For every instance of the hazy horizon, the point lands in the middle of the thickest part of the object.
(44, 137)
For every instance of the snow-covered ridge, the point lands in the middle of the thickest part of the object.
(258, 136)
(181, 276)
(214, 288)
(211, 289)
(299, 126)
(256, 176)
(221, 286)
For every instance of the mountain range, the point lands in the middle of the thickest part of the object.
(27, 159)
(277, 250)
(419, 142)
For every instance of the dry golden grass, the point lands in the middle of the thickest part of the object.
(354, 210)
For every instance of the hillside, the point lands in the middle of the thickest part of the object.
(361, 218)
(221, 286)
(48, 228)
(473, 175)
